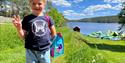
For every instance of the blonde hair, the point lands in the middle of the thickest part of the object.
(44, 1)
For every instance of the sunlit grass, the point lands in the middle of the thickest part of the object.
(78, 48)
(8, 37)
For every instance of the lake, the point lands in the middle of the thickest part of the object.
(88, 28)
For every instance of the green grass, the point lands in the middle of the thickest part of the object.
(113, 51)
(11, 47)
(78, 48)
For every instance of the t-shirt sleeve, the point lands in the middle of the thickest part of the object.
(51, 22)
(24, 27)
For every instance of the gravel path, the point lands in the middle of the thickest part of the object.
(5, 19)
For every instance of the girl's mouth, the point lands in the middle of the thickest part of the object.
(37, 9)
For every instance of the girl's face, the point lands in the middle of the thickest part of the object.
(37, 6)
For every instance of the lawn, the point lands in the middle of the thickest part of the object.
(78, 48)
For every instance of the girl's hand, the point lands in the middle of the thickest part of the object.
(17, 22)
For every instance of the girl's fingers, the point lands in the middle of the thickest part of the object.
(14, 16)
(13, 20)
(18, 17)
(16, 21)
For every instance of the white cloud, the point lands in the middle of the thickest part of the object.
(114, 1)
(91, 9)
(61, 3)
(117, 7)
(77, 1)
(72, 13)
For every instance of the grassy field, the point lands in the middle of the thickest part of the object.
(78, 48)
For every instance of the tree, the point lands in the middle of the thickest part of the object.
(121, 16)
(1, 2)
(56, 16)
(22, 7)
(10, 7)
(2, 7)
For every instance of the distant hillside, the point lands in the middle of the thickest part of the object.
(104, 19)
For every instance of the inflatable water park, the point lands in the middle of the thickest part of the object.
(110, 35)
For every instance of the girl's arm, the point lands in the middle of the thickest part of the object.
(18, 26)
(53, 31)
(21, 33)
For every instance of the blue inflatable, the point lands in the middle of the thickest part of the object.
(57, 47)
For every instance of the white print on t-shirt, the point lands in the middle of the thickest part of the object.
(39, 27)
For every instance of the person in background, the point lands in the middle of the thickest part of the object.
(76, 29)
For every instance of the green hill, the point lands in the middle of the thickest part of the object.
(103, 19)
(78, 48)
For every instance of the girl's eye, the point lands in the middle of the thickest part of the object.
(39, 3)
(33, 3)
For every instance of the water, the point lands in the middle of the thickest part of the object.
(88, 28)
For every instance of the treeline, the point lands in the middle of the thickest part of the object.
(57, 17)
(104, 19)
(121, 16)
(10, 7)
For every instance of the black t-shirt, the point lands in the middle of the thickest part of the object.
(37, 32)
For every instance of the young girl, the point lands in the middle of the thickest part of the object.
(36, 33)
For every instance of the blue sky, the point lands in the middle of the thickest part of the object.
(78, 9)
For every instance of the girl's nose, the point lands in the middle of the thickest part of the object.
(37, 6)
